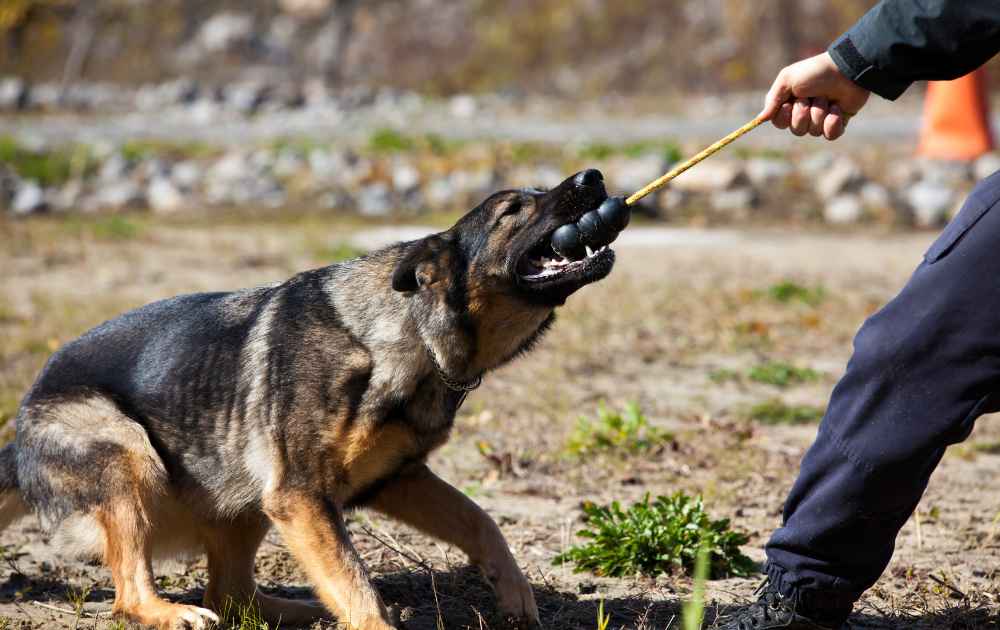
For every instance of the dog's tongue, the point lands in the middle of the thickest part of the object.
(595, 229)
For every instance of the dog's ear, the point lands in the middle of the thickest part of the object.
(418, 267)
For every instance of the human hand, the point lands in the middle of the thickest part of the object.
(813, 96)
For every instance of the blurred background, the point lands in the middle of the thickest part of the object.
(155, 147)
(385, 108)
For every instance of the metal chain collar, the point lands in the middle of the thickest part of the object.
(454, 385)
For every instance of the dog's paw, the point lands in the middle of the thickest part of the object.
(510, 622)
(516, 602)
(167, 616)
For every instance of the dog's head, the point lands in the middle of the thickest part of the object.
(494, 275)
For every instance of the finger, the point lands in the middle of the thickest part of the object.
(800, 117)
(783, 118)
(817, 116)
(835, 123)
(779, 93)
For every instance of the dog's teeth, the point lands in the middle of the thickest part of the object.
(590, 252)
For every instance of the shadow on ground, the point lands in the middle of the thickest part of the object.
(461, 598)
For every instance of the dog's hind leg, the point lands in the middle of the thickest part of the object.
(128, 554)
(83, 457)
(314, 530)
(231, 587)
(423, 500)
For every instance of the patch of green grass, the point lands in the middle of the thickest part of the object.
(387, 140)
(723, 375)
(693, 613)
(990, 448)
(115, 227)
(49, 167)
(244, 616)
(781, 374)
(625, 431)
(603, 620)
(788, 291)
(655, 537)
(600, 151)
(78, 597)
(140, 149)
(776, 411)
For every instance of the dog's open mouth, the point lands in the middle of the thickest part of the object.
(541, 263)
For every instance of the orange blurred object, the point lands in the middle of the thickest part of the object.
(956, 119)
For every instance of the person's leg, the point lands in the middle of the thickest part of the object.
(923, 370)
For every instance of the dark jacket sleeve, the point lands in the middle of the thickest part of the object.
(902, 41)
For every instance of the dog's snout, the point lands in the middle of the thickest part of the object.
(589, 177)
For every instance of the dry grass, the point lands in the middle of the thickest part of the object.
(656, 332)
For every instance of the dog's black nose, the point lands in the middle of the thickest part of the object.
(589, 177)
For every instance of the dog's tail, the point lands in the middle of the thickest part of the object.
(12, 506)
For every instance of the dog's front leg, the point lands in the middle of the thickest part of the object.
(314, 530)
(425, 501)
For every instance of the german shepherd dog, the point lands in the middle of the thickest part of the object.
(196, 423)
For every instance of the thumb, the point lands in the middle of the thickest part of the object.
(778, 95)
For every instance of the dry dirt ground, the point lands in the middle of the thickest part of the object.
(676, 328)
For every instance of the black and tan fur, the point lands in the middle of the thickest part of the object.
(199, 422)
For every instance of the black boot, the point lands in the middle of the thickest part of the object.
(772, 610)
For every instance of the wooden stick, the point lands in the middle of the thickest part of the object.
(685, 165)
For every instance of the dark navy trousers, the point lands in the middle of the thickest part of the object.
(924, 368)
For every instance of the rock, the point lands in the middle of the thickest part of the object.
(875, 196)
(708, 177)
(163, 196)
(405, 178)
(225, 31)
(670, 199)
(240, 179)
(844, 209)
(152, 168)
(948, 172)
(68, 197)
(930, 202)
(9, 185)
(317, 95)
(629, 174)
(30, 198)
(288, 163)
(44, 96)
(114, 168)
(735, 202)
(463, 106)
(181, 91)
(986, 166)
(203, 111)
(186, 175)
(375, 200)
(440, 192)
(902, 173)
(841, 177)
(767, 171)
(328, 167)
(305, 8)
(231, 167)
(13, 94)
(817, 164)
(478, 183)
(123, 195)
(245, 98)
